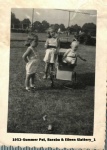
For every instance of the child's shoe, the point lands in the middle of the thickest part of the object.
(28, 89)
(44, 77)
(33, 87)
(48, 77)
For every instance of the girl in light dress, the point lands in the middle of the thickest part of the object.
(52, 46)
(32, 60)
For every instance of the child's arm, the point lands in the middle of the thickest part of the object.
(81, 57)
(26, 54)
(46, 44)
(58, 45)
(66, 53)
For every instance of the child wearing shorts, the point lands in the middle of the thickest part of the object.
(31, 59)
(51, 45)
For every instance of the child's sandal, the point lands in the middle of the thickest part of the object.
(33, 87)
(44, 77)
(28, 90)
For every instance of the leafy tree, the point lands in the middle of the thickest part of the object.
(56, 26)
(15, 23)
(89, 28)
(12, 16)
(75, 28)
(26, 23)
(38, 26)
(45, 25)
(62, 27)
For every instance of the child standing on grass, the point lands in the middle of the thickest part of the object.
(51, 45)
(31, 59)
(70, 56)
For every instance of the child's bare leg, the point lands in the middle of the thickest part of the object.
(27, 81)
(51, 74)
(46, 70)
(32, 80)
(51, 67)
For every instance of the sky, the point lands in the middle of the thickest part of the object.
(53, 16)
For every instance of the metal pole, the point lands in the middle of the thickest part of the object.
(68, 25)
(32, 16)
(69, 19)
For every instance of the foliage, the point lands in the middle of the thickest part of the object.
(37, 26)
(15, 21)
(56, 26)
(62, 27)
(89, 28)
(75, 28)
(44, 25)
(26, 21)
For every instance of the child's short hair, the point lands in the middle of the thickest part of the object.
(74, 44)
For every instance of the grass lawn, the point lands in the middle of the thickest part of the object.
(41, 36)
(70, 111)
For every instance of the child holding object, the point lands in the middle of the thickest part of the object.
(70, 56)
(51, 45)
(31, 59)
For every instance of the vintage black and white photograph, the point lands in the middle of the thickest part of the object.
(52, 71)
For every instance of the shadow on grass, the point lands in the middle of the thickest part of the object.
(83, 80)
